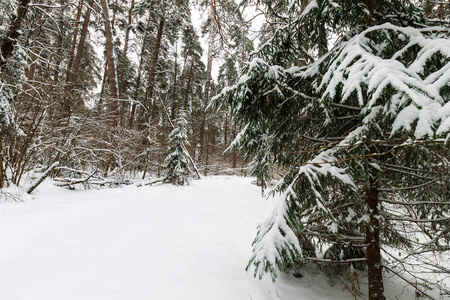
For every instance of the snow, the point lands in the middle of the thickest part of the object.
(159, 242)
(309, 7)
(418, 107)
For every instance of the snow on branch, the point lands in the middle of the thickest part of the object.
(276, 243)
(379, 68)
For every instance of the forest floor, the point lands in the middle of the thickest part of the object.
(149, 242)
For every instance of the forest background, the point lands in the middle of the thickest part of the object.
(359, 129)
(96, 95)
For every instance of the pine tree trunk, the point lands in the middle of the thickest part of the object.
(39, 21)
(124, 105)
(153, 64)
(428, 8)
(234, 152)
(136, 92)
(10, 39)
(75, 61)
(80, 48)
(189, 83)
(2, 164)
(175, 93)
(127, 31)
(139, 78)
(55, 90)
(112, 75)
(375, 269)
(151, 80)
(103, 87)
(58, 47)
(323, 40)
(74, 39)
(225, 130)
(202, 123)
(369, 19)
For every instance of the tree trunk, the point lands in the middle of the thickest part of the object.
(74, 65)
(375, 269)
(2, 164)
(175, 93)
(80, 48)
(189, 82)
(139, 78)
(10, 40)
(39, 22)
(153, 64)
(74, 40)
(136, 93)
(124, 106)
(127, 31)
(112, 75)
(42, 178)
(225, 131)
(234, 151)
(323, 40)
(428, 8)
(369, 18)
(55, 88)
(202, 123)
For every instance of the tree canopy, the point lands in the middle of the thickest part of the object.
(363, 129)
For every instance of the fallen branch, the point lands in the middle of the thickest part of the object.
(42, 178)
(156, 181)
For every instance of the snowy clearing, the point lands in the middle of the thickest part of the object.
(160, 242)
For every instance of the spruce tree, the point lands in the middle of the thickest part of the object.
(177, 162)
(12, 62)
(364, 131)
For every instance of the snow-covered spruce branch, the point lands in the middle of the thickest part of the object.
(276, 243)
(412, 220)
(406, 203)
(389, 76)
(328, 261)
(352, 141)
(412, 187)
(355, 66)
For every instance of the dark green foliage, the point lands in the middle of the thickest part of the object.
(369, 117)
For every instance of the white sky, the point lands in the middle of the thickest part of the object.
(197, 20)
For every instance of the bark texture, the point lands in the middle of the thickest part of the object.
(10, 40)
(375, 269)
(153, 64)
(112, 75)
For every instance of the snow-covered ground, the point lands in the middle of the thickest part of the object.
(160, 242)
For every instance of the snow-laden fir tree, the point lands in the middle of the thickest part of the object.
(365, 132)
(12, 70)
(12, 60)
(177, 162)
